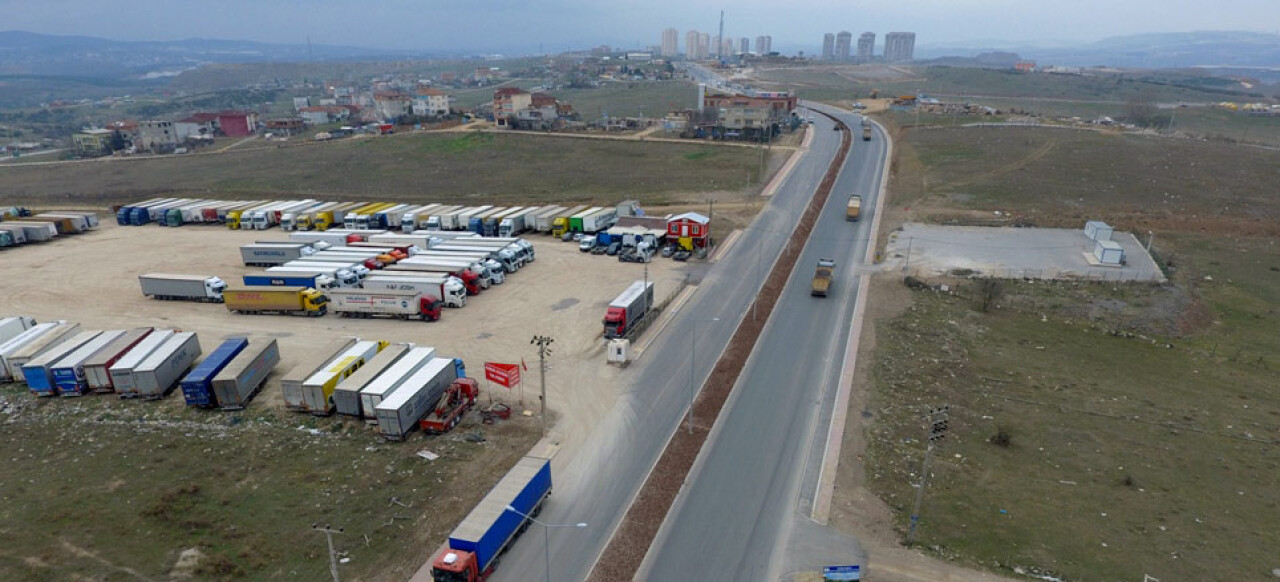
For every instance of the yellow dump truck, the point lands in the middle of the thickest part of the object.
(271, 299)
(853, 210)
(822, 277)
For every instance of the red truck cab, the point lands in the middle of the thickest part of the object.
(458, 398)
(615, 321)
(429, 307)
(456, 566)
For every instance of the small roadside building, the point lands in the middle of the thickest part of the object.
(690, 226)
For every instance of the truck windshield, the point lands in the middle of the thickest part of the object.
(439, 575)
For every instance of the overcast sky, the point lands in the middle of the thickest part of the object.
(524, 25)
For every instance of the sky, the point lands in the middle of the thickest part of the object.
(554, 25)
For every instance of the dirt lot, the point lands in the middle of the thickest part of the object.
(1097, 430)
(92, 279)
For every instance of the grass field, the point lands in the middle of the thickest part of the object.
(1141, 420)
(409, 167)
(243, 493)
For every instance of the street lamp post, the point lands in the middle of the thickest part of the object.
(546, 530)
(693, 382)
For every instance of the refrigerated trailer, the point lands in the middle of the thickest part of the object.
(346, 395)
(207, 288)
(399, 304)
(13, 344)
(159, 372)
(236, 384)
(291, 384)
(399, 413)
(38, 373)
(121, 372)
(317, 391)
(30, 350)
(97, 369)
(389, 381)
(197, 386)
(68, 374)
(449, 289)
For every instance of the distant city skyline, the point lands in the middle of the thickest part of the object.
(559, 25)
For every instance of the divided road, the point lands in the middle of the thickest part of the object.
(753, 485)
(596, 485)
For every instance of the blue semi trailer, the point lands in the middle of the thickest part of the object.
(197, 387)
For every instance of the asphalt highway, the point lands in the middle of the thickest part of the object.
(742, 513)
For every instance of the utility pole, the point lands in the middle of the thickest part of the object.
(937, 431)
(544, 349)
(906, 266)
(333, 556)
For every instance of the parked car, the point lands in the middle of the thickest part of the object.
(599, 249)
(668, 250)
(569, 236)
(578, 236)
(682, 255)
(614, 248)
(586, 244)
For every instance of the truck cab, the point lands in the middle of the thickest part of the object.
(853, 210)
(315, 302)
(822, 277)
(213, 288)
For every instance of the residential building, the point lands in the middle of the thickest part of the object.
(507, 101)
(670, 42)
(828, 47)
(752, 115)
(690, 225)
(238, 123)
(716, 45)
(198, 126)
(691, 45)
(392, 104)
(744, 45)
(157, 136)
(431, 102)
(900, 47)
(726, 47)
(284, 126)
(324, 114)
(128, 130)
(764, 44)
(300, 102)
(704, 45)
(843, 41)
(866, 47)
(93, 142)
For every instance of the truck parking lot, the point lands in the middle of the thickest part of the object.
(563, 294)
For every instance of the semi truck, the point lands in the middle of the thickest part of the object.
(414, 219)
(159, 372)
(476, 266)
(627, 309)
(68, 373)
(207, 288)
(506, 258)
(346, 395)
(866, 131)
(397, 304)
(197, 386)
(97, 369)
(38, 373)
(458, 398)
(485, 267)
(313, 280)
(264, 254)
(470, 280)
(291, 384)
(853, 210)
(541, 220)
(389, 381)
(358, 268)
(339, 277)
(278, 300)
(822, 276)
(434, 221)
(121, 372)
(244, 375)
(472, 550)
(317, 390)
(551, 223)
(519, 222)
(19, 356)
(596, 221)
(449, 289)
(399, 413)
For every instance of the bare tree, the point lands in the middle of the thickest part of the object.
(990, 291)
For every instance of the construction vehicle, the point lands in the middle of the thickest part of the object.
(822, 277)
(458, 398)
(853, 210)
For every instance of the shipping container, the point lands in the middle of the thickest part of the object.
(399, 413)
(38, 373)
(97, 369)
(197, 386)
(291, 384)
(121, 372)
(20, 355)
(236, 384)
(159, 373)
(22, 340)
(68, 374)
(317, 391)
